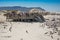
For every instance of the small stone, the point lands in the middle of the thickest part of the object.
(10, 29)
(26, 31)
(46, 32)
(52, 37)
(57, 38)
(51, 32)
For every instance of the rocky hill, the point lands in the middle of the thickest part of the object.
(24, 9)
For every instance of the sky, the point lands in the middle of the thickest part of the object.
(48, 5)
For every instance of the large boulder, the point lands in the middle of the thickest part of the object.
(34, 11)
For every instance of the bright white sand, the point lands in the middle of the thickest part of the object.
(25, 31)
(35, 31)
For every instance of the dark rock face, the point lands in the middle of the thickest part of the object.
(39, 18)
(26, 17)
(33, 19)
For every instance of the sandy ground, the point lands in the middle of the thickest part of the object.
(25, 31)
